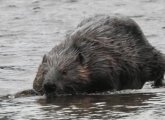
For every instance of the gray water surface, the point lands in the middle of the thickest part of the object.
(30, 28)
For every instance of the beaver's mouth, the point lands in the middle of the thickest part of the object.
(54, 90)
(62, 92)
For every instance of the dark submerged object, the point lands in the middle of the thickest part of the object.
(103, 53)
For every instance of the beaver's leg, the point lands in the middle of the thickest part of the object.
(159, 81)
(26, 93)
(157, 76)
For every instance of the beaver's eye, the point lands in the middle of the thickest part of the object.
(64, 72)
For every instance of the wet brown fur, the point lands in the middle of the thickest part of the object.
(103, 53)
(84, 72)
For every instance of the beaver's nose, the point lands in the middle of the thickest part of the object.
(49, 88)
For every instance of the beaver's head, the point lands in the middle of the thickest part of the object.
(68, 72)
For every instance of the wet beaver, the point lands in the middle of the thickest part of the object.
(103, 53)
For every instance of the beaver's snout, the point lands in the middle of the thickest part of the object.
(49, 87)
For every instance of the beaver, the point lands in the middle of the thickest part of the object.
(103, 53)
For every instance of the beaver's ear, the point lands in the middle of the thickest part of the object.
(44, 60)
(80, 58)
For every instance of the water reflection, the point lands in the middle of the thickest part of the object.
(98, 106)
(120, 105)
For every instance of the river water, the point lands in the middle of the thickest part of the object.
(30, 28)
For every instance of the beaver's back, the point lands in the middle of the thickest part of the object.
(117, 45)
(120, 35)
